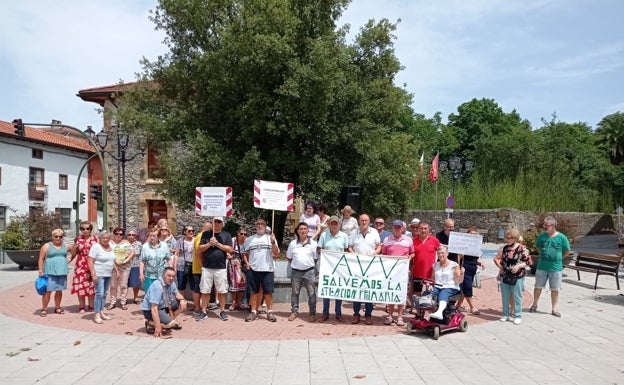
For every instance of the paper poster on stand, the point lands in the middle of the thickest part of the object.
(274, 195)
(464, 243)
(213, 201)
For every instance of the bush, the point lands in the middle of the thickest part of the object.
(29, 232)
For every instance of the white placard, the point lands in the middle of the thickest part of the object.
(213, 201)
(464, 243)
(363, 278)
(273, 195)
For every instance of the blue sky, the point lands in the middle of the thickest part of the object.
(535, 56)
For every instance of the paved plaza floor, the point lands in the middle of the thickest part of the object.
(584, 346)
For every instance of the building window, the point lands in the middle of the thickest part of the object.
(64, 217)
(153, 168)
(2, 218)
(37, 154)
(62, 182)
(35, 177)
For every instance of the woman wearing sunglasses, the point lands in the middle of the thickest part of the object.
(82, 284)
(53, 259)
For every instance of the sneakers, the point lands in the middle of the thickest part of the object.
(312, 318)
(504, 319)
(202, 316)
(149, 327)
(251, 317)
(105, 317)
(223, 316)
(196, 312)
(111, 306)
(368, 320)
(356, 319)
(213, 306)
(271, 317)
(400, 322)
(98, 320)
(388, 320)
(292, 317)
(517, 321)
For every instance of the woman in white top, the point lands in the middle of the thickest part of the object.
(349, 223)
(311, 219)
(447, 275)
(101, 264)
(322, 213)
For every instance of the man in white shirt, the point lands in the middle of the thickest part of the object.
(302, 256)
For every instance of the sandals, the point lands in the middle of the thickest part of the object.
(400, 322)
(43, 313)
(232, 307)
(81, 310)
(111, 306)
(124, 307)
(475, 311)
(388, 321)
(91, 308)
(532, 309)
(59, 310)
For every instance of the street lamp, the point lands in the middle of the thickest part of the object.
(123, 139)
(458, 169)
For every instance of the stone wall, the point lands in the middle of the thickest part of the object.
(506, 218)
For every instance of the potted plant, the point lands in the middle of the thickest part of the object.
(25, 234)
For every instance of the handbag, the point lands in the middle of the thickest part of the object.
(476, 281)
(41, 284)
(510, 279)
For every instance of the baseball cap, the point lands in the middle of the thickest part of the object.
(334, 218)
(415, 221)
(397, 222)
(218, 219)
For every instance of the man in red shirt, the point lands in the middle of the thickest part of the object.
(425, 246)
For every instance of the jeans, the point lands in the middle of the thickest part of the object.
(516, 291)
(326, 307)
(368, 308)
(101, 290)
(303, 278)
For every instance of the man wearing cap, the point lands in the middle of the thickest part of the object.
(259, 251)
(333, 240)
(443, 237)
(214, 246)
(397, 245)
(414, 227)
(364, 241)
(380, 226)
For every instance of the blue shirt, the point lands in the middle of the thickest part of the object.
(154, 295)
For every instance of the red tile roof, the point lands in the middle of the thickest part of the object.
(99, 95)
(49, 138)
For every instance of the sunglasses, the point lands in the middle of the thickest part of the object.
(85, 229)
(245, 234)
(58, 237)
(379, 223)
(132, 235)
(118, 233)
(190, 231)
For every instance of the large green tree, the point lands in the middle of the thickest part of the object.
(270, 89)
(611, 136)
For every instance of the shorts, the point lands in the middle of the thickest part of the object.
(218, 277)
(266, 279)
(57, 282)
(195, 280)
(554, 279)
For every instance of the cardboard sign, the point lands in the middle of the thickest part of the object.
(464, 243)
(213, 201)
(274, 195)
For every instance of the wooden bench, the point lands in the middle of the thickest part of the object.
(599, 264)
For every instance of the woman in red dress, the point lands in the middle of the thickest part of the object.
(82, 284)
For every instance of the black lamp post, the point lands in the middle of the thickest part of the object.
(458, 168)
(123, 139)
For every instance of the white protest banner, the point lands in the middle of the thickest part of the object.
(274, 195)
(464, 243)
(213, 201)
(363, 278)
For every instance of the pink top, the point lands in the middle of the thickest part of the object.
(397, 247)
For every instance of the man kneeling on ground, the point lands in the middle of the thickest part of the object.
(162, 304)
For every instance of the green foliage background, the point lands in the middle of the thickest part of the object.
(271, 89)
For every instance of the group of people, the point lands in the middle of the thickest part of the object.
(213, 263)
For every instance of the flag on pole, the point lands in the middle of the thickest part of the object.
(419, 174)
(433, 173)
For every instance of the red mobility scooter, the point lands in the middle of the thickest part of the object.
(453, 318)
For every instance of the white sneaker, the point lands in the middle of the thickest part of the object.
(517, 321)
(504, 319)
